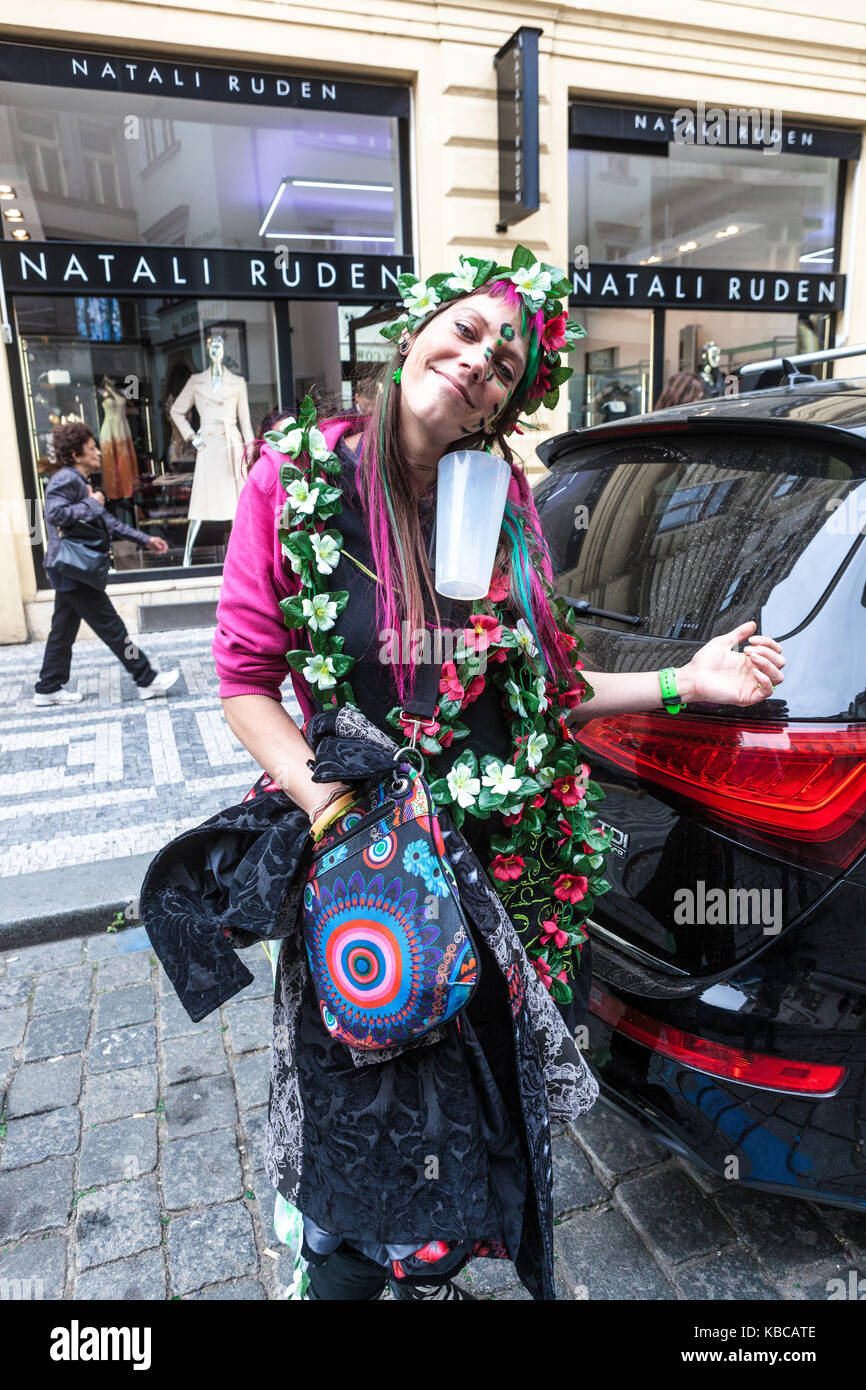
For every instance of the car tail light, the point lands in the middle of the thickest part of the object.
(800, 788)
(732, 1063)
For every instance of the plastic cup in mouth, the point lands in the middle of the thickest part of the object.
(470, 502)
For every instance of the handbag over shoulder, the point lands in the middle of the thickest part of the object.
(388, 943)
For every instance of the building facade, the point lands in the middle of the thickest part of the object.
(210, 222)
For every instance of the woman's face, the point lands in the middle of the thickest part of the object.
(89, 459)
(461, 371)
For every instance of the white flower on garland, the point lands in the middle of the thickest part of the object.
(420, 299)
(515, 698)
(543, 701)
(316, 446)
(463, 278)
(291, 443)
(302, 498)
(535, 746)
(319, 671)
(525, 639)
(533, 282)
(462, 785)
(501, 779)
(327, 553)
(320, 612)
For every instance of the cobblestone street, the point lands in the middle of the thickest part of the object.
(131, 1160)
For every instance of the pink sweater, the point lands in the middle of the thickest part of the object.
(251, 639)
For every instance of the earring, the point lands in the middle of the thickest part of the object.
(395, 376)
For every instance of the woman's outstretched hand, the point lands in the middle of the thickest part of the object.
(722, 676)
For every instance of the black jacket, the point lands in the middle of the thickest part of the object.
(67, 500)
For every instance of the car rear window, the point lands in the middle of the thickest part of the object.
(696, 535)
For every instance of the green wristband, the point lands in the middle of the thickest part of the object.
(670, 699)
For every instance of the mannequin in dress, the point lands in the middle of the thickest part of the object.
(220, 397)
(119, 462)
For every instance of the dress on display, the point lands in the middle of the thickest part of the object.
(119, 461)
(224, 412)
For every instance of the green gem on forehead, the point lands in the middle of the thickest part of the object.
(507, 332)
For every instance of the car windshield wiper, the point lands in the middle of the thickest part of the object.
(582, 605)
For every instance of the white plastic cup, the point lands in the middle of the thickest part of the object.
(471, 495)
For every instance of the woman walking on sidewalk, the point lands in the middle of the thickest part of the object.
(70, 498)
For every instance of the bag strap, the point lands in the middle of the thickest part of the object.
(425, 695)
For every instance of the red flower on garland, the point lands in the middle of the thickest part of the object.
(570, 888)
(431, 728)
(538, 801)
(553, 337)
(449, 685)
(571, 698)
(541, 385)
(445, 738)
(568, 791)
(498, 591)
(499, 655)
(552, 931)
(514, 819)
(567, 641)
(542, 969)
(507, 867)
(472, 691)
(564, 731)
(486, 631)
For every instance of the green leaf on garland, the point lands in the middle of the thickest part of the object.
(441, 792)
(458, 815)
(468, 759)
(342, 664)
(594, 792)
(299, 543)
(428, 744)
(521, 258)
(289, 473)
(298, 659)
(293, 612)
(407, 280)
(561, 992)
(448, 709)
(600, 885)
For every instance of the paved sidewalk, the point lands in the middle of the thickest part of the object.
(89, 793)
(131, 1161)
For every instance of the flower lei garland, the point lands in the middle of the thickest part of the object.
(544, 793)
(541, 287)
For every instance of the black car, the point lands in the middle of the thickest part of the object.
(728, 1008)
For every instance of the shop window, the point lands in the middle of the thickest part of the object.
(316, 180)
(140, 373)
(730, 208)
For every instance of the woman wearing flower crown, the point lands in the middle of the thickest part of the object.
(331, 541)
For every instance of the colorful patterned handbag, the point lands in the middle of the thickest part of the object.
(387, 940)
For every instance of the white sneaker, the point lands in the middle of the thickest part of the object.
(164, 681)
(58, 697)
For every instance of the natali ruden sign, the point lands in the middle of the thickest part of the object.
(743, 126)
(646, 287)
(113, 72)
(516, 66)
(94, 268)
